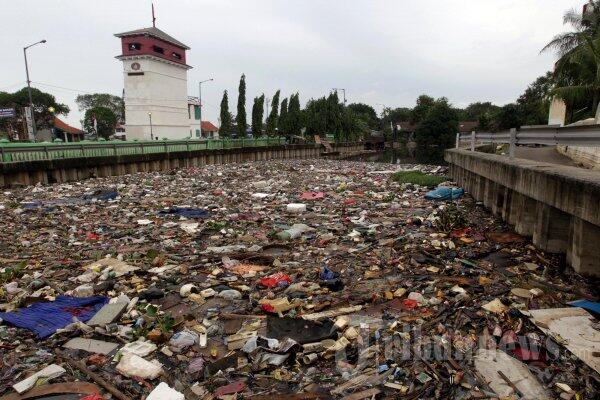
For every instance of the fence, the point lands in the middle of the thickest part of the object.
(553, 135)
(11, 152)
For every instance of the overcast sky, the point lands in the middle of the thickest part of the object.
(380, 51)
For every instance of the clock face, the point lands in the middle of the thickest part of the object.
(135, 66)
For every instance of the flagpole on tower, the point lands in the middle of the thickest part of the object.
(153, 17)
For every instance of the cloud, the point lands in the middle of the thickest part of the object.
(380, 51)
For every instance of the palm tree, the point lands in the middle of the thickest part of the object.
(577, 71)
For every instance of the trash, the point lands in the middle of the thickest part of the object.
(573, 328)
(276, 280)
(132, 365)
(91, 345)
(165, 392)
(445, 193)
(43, 391)
(586, 305)
(294, 232)
(50, 372)
(44, 318)
(296, 208)
(193, 213)
(490, 362)
(139, 348)
(312, 195)
(369, 270)
(108, 314)
(495, 306)
(300, 330)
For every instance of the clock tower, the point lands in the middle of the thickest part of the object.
(155, 75)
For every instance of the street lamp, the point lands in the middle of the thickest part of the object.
(200, 100)
(29, 86)
(151, 134)
(344, 91)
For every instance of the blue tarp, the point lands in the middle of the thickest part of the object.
(184, 212)
(45, 318)
(445, 193)
(587, 305)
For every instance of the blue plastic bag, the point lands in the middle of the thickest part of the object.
(184, 212)
(45, 318)
(445, 193)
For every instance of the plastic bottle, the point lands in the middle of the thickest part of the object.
(294, 232)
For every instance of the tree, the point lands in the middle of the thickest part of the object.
(294, 116)
(366, 113)
(577, 71)
(257, 115)
(240, 118)
(534, 103)
(44, 104)
(106, 100)
(282, 122)
(509, 116)
(424, 103)
(106, 121)
(327, 116)
(272, 118)
(436, 132)
(225, 129)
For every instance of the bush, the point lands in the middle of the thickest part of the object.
(418, 178)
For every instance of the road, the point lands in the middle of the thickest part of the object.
(547, 154)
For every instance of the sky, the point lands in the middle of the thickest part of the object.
(381, 51)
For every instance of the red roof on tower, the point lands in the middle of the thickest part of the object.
(153, 32)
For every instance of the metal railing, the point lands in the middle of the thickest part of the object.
(552, 135)
(12, 152)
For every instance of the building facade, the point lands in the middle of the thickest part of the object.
(155, 81)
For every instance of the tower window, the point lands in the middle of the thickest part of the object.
(158, 49)
(177, 56)
(135, 46)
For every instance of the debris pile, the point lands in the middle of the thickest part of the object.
(292, 280)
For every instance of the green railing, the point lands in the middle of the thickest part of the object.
(12, 152)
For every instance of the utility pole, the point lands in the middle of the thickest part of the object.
(32, 113)
(343, 91)
(200, 100)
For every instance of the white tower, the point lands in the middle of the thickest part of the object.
(155, 74)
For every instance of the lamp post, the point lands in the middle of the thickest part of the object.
(29, 86)
(344, 91)
(200, 100)
(151, 134)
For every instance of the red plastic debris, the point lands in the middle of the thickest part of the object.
(279, 279)
(266, 307)
(93, 397)
(312, 195)
(350, 202)
(93, 236)
(409, 303)
(232, 388)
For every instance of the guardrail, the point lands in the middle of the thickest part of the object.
(553, 135)
(11, 152)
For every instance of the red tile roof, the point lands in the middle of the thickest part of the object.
(208, 126)
(63, 126)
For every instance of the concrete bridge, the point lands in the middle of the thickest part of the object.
(558, 206)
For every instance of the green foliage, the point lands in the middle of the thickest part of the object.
(577, 72)
(106, 100)
(327, 116)
(294, 117)
(9, 274)
(436, 132)
(450, 218)
(257, 115)
(106, 121)
(282, 122)
(418, 178)
(225, 115)
(42, 102)
(273, 115)
(424, 103)
(240, 118)
(366, 113)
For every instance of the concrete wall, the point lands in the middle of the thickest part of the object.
(74, 169)
(589, 157)
(558, 206)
